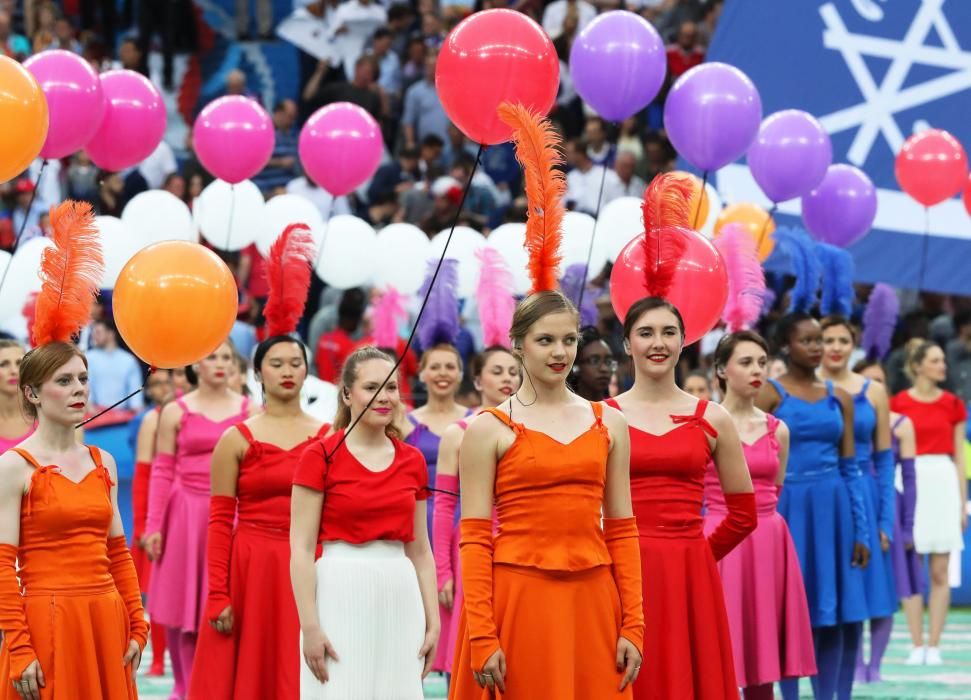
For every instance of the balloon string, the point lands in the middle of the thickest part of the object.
(323, 236)
(701, 194)
(923, 248)
(232, 211)
(765, 227)
(116, 404)
(593, 235)
(23, 224)
(421, 310)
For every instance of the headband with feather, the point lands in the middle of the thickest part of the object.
(880, 321)
(494, 297)
(572, 284)
(538, 151)
(746, 280)
(805, 267)
(837, 264)
(440, 322)
(71, 272)
(288, 277)
(666, 209)
(388, 311)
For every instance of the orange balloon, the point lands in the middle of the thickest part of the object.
(699, 198)
(755, 219)
(24, 118)
(174, 303)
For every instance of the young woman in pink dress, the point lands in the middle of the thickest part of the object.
(178, 508)
(14, 424)
(768, 616)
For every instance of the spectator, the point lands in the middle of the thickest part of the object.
(600, 150)
(284, 164)
(414, 68)
(159, 165)
(45, 14)
(82, 178)
(624, 166)
(89, 20)
(348, 30)
(400, 19)
(424, 114)
(446, 193)
(431, 31)
(480, 202)
(65, 36)
(114, 372)
(264, 20)
(25, 215)
(659, 156)
(334, 346)
(12, 45)
(175, 185)
(556, 13)
(389, 65)
(630, 139)
(431, 153)
(321, 198)
(685, 53)
(392, 179)
(959, 357)
(131, 56)
(584, 180)
(111, 199)
(362, 91)
(236, 83)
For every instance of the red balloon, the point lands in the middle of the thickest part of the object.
(967, 196)
(932, 167)
(493, 57)
(699, 289)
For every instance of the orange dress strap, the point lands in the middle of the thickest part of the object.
(506, 420)
(27, 456)
(697, 419)
(100, 468)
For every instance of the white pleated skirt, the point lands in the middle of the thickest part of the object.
(370, 608)
(937, 517)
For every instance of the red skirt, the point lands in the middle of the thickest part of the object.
(261, 657)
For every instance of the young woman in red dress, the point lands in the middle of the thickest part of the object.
(687, 643)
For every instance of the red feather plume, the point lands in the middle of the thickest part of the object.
(288, 277)
(70, 272)
(538, 151)
(666, 210)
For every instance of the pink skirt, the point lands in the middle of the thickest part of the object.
(178, 589)
(768, 616)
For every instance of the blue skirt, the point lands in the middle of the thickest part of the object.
(878, 576)
(817, 511)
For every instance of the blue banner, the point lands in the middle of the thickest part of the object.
(874, 72)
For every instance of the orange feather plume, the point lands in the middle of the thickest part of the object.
(538, 151)
(288, 277)
(70, 272)
(666, 209)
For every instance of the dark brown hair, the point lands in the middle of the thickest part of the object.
(349, 376)
(479, 362)
(642, 306)
(834, 321)
(39, 365)
(726, 348)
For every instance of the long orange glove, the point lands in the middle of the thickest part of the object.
(126, 581)
(625, 553)
(13, 617)
(475, 554)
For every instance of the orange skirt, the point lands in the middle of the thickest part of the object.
(559, 632)
(80, 640)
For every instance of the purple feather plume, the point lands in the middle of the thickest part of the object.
(880, 321)
(440, 321)
(571, 283)
(746, 280)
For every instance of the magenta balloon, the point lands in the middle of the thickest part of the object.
(133, 123)
(74, 99)
(618, 64)
(712, 115)
(340, 147)
(842, 209)
(233, 137)
(790, 155)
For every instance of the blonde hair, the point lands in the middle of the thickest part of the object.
(442, 347)
(348, 376)
(39, 365)
(533, 308)
(914, 353)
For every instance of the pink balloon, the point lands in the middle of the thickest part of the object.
(74, 99)
(133, 123)
(340, 147)
(233, 137)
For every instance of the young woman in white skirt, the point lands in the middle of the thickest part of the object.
(368, 608)
(942, 491)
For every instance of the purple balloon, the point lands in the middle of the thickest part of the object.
(234, 138)
(133, 123)
(74, 99)
(712, 115)
(790, 155)
(340, 147)
(618, 64)
(842, 209)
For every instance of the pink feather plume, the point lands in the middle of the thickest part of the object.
(494, 295)
(389, 310)
(746, 280)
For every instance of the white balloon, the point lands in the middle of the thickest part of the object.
(465, 241)
(282, 211)
(157, 215)
(578, 229)
(119, 244)
(319, 399)
(399, 260)
(508, 239)
(220, 200)
(346, 246)
(22, 277)
(620, 221)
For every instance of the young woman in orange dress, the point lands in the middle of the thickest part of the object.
(552, 603)
(249, 649)
(70, 609)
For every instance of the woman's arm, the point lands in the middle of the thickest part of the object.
(907, 445)
(224, 470)
(145, 442)
(883, 464)
(736, 483)
(163, 474)
(959, 433)
(144, 452)
(419, 550)
(782, 435)
(850, 471)
(13, 616)
(443, 520)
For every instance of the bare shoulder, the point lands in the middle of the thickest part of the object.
(877, 393)
(14, 473)
(782, 430)
(719, 418)
(452, 434)
(483, 426)
(905, 428)
(843, 396)
(109, 463)
(150, 421)
(171, 413)
(613, 418)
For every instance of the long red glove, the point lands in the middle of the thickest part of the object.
(443, 526)
(475, 553)
(625, 553)
(126, 581)
(222, 510)
(160, 485)
(741, 519)
(139, 498)
(13, 617)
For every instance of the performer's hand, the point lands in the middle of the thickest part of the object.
(628, 661)
(134, 657)
(446, 596)
(316, 649)
(224, 623)
(861, 555)
(31, 681)
(427, 651)
(493, 674)
(153, 545)
(884, 542)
